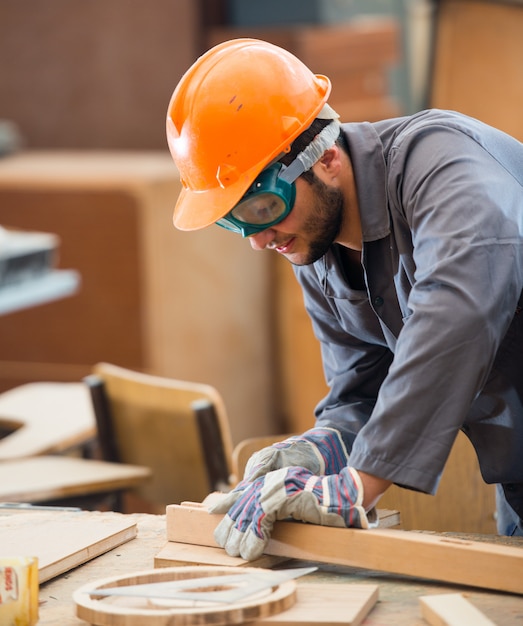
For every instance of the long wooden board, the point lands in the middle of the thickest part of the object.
(177, 553)
(433, 557)
(62, 540)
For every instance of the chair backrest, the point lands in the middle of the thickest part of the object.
(179, 429)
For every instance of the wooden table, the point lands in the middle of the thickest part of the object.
(54, 478)
(45, 418)
(397, 606)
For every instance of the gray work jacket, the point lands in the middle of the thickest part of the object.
(434, 343)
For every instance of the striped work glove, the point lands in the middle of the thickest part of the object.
(294, 492)
(320, 450)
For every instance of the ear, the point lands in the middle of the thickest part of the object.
(330, 162)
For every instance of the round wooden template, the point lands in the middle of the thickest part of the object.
(135, 611)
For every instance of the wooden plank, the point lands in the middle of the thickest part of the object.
(451, 609)
(63, 540)
(328, 605)
(45, 478)
(45, 418)
(388, 550)
(388, 518)
(176, 553)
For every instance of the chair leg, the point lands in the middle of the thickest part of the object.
(105, 434)
(104, 421)
(212, 444)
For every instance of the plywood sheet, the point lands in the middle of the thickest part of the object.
(62, 540)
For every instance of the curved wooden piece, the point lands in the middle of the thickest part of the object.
(133, 611)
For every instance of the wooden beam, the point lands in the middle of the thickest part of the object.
(451, 609)
(408, 553)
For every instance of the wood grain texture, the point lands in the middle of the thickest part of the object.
(134, 611)
(327, 604)
(398, 595)
(421, 555)
(63, 540)
(451, 609)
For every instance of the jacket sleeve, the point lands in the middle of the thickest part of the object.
(456, 210)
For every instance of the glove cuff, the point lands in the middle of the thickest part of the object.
(366, 519)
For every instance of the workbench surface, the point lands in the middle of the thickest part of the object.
(398, 603)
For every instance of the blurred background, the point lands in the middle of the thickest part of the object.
(84, 89)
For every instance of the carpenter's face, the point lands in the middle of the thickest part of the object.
(312, 226)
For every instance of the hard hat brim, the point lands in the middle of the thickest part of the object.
(199, 209)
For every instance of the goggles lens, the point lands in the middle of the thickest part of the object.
(261, 208)
(268, 201)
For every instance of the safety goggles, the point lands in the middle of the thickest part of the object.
(267, 201)
(271, 197)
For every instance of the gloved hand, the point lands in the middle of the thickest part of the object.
(320, 450)
(251, 511)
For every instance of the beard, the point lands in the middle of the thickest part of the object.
(324, 225)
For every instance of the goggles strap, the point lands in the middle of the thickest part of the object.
(312, 153)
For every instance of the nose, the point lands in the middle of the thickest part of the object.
(259, 241)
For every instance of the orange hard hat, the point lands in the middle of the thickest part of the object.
(237, 109)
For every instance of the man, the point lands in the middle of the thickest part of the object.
(406, 236)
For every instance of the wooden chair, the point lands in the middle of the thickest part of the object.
(178, 429)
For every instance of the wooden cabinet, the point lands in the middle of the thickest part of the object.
(186, 305)
(478, 60)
